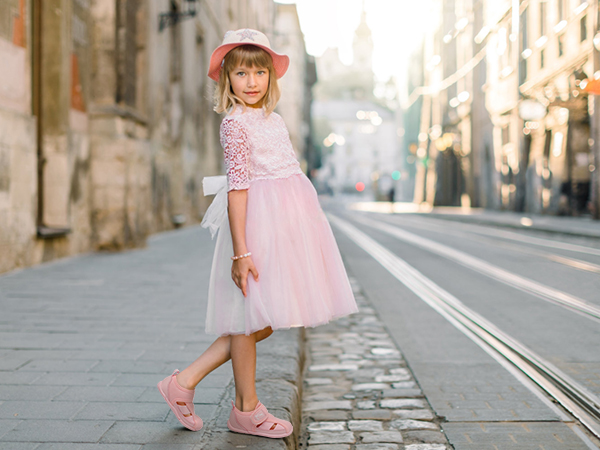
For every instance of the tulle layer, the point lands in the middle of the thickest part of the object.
(302, 280)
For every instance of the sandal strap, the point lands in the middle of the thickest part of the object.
(260, 415)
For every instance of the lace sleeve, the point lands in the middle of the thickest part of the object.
(235, 145)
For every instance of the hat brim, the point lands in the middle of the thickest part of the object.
(280, 62)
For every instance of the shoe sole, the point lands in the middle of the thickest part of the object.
(271, 435)
(175, 410)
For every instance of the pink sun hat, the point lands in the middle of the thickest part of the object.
(245, 36)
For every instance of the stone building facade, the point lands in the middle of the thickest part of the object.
(106, 120)
(509, 123)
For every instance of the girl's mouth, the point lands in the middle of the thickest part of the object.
(252, 93)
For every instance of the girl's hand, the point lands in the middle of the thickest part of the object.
(239, 272)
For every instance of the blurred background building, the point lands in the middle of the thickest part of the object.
(355, 132)
(506, 111)
(106, 120)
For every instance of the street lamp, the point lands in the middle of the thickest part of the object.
(174, 16)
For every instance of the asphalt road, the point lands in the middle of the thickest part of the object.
(541, 290)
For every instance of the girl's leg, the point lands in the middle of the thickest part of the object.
(218, 353)
(243, 360)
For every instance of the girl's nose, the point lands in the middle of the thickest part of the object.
(251, 80)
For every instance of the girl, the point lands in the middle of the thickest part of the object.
(287, 270)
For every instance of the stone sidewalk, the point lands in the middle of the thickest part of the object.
(583, 227)
(359, 392)
(84, 340)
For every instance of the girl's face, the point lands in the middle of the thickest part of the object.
(250, 84)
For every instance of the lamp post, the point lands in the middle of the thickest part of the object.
(188, 9)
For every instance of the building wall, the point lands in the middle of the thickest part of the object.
(290, 41)
(502, 58)
(119, 116)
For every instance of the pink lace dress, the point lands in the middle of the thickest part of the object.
(302, 280)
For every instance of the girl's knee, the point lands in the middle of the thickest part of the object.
(263, 334)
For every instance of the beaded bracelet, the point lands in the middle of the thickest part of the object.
(240, 256)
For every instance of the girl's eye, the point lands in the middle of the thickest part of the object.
(240, 74)
(261, 72)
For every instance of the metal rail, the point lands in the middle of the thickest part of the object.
(582, 404)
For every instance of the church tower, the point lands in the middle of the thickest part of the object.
(362, 46)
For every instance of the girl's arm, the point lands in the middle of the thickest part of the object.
(237, 201)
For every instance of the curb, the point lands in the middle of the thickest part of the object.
(516, 226)
(280, 361)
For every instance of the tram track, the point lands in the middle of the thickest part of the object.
(532, 287)
(490, 239)
(536, 373)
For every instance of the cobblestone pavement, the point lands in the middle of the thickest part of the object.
(359, 393)
(83, 342)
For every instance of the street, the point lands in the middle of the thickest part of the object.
(535, 290)
(84, 340)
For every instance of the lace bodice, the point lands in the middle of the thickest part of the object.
(256, 147)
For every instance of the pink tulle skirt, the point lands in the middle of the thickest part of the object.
(302, 280)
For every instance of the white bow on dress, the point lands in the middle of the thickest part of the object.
(217, 211)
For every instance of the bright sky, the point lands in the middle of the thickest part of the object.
(395, 25)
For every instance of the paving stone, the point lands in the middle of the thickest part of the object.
(400, 371)
(402, 403)
(8, 424)
(101, 393)
(128, 432)
(350, 357)
(329, 447)
(409, 424)
(370, 386)
(328, 415)
(365, 425)
(327, 426)
(404, 385)
(316, 406)
(320, 397)
(391, 378)
(381, 437)
(40, 393)
(331, 437)
(59, 431)
(366, 373)
(382, 351)
(39, 410)
(13, 363)
(377, 447)
(318, 381)
(21, 446)
(123, 411)
(334, 367)
(374, 414)
(426, 437)
(75, 378)
(417, 414)
(425, 447)
(80, 446)
(54, 365)
(402, 393)
(368, 404)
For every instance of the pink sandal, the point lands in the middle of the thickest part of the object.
(181, 401)
(258, 422)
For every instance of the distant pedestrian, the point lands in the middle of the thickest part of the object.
(269, 216)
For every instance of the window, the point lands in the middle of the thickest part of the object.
(561, 45)
(542, 57)
(127, 51)
(524, 45)
(562, 14)
(543, 14)
(583, 29)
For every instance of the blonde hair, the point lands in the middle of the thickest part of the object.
(249, 56)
